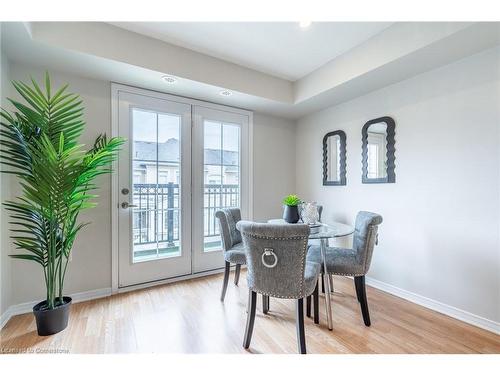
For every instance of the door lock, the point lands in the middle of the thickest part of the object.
(126, 205)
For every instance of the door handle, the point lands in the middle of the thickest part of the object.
(126, 205)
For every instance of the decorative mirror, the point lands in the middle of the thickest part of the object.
(334, 158)
(378, 151)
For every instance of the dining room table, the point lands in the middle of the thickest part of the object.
(323, 231)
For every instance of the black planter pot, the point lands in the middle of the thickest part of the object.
(51, 321)
(291, 214)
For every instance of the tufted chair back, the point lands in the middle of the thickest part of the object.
(276, 258)
(365, 237)
(228, 217)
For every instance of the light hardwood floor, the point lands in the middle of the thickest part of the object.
(187, 317)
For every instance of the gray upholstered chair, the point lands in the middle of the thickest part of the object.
(356, 261)
(277, 267)
(231, 244)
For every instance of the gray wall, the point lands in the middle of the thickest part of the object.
(90, 268)
(440, 236)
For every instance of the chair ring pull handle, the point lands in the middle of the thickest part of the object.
(269, 252)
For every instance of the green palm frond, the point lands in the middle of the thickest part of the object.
(39, 144)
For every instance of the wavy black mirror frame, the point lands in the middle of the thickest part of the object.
(342, 180)
(390, 152)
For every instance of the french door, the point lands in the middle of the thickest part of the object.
(182, 162)
(154, 186)
(220, 178)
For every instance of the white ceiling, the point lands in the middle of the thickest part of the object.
(281, 49)
(109, 53)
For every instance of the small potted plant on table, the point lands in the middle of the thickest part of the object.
(40, 146)
(291, 209)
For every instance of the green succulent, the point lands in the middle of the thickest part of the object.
(292, 200)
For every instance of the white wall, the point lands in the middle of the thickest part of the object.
(5, 180)
(90, 269)
(274, 165)
(440, 235)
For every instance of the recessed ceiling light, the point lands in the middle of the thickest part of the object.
(305, 24)
(226, 93)
(169, 79)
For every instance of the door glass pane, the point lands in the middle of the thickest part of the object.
(221, 176)
(168, 184)
(156, 185)
(231, 165)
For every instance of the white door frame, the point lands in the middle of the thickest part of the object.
(115, 89)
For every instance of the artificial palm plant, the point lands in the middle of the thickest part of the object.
(40, 146)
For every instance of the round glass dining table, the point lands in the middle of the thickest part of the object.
(323, 232)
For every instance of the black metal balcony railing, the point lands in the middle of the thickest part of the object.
(156, 217)
(217, 197)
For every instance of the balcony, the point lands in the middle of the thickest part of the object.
(156, 219)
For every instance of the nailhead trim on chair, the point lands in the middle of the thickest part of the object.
(277, 238)
(345, 274)
(278, 296)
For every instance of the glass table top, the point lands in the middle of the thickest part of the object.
(331, 229)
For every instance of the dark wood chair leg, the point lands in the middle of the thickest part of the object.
(252, 304)
(301, 336)
(356, 286)
(226, 280)
(316, 303)
(237, 274)
(360, 280)
(322, 283)
(308, 306)
(265, 304)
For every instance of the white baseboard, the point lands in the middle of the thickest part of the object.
(429, 303)
(27, 307)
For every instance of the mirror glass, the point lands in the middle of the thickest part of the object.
(377, 150)
(334, 150)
